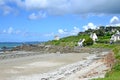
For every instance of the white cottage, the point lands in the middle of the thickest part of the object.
(80, 43)
(56, 37)
(94, 37)
(115, 37)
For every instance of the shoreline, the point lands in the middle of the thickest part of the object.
(39, 66)
(48, 50)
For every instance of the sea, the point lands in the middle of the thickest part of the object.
(10, 45)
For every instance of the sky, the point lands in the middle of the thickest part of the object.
(41, 20)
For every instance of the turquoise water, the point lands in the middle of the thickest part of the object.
(10, 45)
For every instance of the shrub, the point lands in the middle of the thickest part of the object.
(88, 42)
(116, 67)
(117, 56)
(56, 42)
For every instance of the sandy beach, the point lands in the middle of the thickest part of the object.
(53, 66)
(12, 69)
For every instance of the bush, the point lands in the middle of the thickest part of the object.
(116, 67)
(88, 42)
(57, 43)
(117, 56)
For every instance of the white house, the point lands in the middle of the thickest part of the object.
(94, 37)
(115, 37)
(80, 43)
(56, 37)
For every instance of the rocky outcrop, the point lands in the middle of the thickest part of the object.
(57, 49)
(44, 48)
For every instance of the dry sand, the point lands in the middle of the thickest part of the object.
(37, 64)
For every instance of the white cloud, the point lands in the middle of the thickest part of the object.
(5, 8)
(75, 31)
(49, 35)
(70, 6)
(20, 3)
(35, 16)
(89, 26)
(10, 30)
(64, 32)
(61, 31)
(114, 20)
(36, 4)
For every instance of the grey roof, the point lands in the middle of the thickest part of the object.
(116, 34)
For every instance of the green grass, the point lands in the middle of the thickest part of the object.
(68, 41)
(114, 74)
(102, 45)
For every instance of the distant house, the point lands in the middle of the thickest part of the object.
(80, 42)
(56, 37)
(94, 37)
(115, 37)
(113, 30)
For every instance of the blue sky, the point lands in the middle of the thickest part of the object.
(41, 20)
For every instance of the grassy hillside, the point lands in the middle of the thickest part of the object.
(68, 41)
(73, 40)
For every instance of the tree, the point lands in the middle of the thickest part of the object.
(88, 42)
(89, 31)
(99, 32)
(102, 27)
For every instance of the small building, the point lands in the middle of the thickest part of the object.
(56, 38)
(80, 42)
(94, 37)
(113, 30)
(115, 37)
